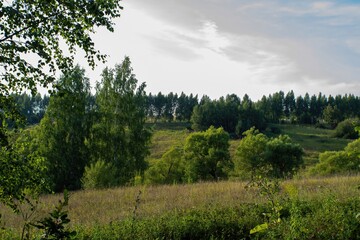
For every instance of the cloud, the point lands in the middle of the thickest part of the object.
(216, 47)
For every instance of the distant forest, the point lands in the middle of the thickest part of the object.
(231, 112)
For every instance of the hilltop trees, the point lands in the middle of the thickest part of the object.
(230, 113)
(170, 107)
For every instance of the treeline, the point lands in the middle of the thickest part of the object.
(237, 115)
(232, 113)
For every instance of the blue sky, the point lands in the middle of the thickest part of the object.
(219, 47)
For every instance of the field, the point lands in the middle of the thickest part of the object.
(313, 208)
(93, 211)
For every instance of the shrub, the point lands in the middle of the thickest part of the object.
(346, 129)
(332, 162)
(99, 175)
(256, 151)
(207, 155)
(167, 170)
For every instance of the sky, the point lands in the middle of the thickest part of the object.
(254, 47)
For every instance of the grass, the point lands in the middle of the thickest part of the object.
(313, 139)
(101, 207)
(165, 136)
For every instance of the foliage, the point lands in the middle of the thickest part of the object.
(169, 169)
(338, 162)
(34, 30)
(207, 155)
(332, 115)
(119, 135)
(54, 225)
(22, 172)
(284, 156)
(31, 107)
(346, 128)
(37, 28)
(63, 131)
(270, 189)
(256, 151)
(250, 153)
(229, 113)
(99, 175)
(328, 219)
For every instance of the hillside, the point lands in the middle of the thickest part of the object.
(313, 140)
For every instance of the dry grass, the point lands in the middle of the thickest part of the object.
(163, 140)
(98, 207)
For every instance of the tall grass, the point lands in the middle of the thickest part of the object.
(100, 207)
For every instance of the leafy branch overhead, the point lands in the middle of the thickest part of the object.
(37, 29)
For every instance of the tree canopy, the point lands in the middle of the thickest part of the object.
(207, 154)
(32, 34)
(256, 152)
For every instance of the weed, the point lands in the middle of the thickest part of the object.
(268, 188)
(54, 225)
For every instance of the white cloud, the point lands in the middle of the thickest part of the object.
(238, 46)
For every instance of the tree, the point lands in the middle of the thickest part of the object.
(169, 169)
(249, 117)
(289, 104)
(250, 154)
(22, 171)
(65, 128)
(346, 128)
(284, 156)
(118, 135)
(207, 155)
(332, 115)
(36, 29)
(256, 152)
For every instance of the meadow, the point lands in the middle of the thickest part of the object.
(303, 208)
(94, 212)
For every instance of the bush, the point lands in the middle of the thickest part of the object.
(99, 175)
(346, 129)
(256, 152)
(332, 162)
(167, 170)
(207, 155)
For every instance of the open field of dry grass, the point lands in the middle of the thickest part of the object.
(100, 207)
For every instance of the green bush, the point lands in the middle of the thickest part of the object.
(346, 129)
(332, 162)
(99, 175)
(207, 155)
(256, 151)
(167, 170)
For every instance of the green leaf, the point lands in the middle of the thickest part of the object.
(259, 228)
